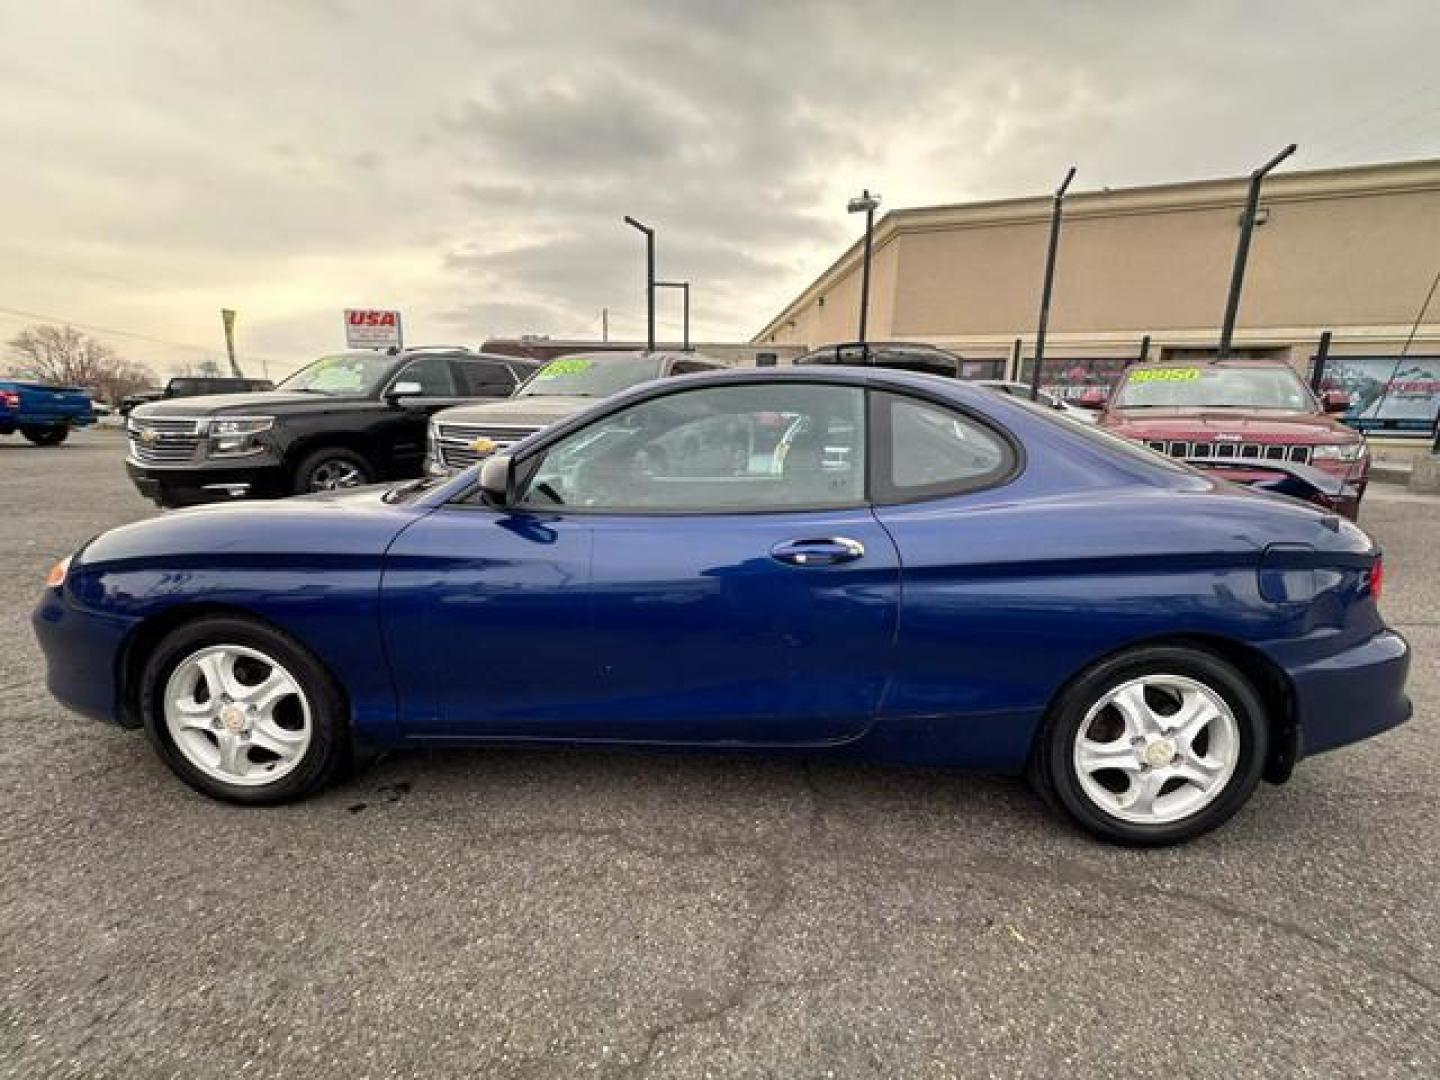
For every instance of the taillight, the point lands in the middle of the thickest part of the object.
(1377, 578)
(9, 399)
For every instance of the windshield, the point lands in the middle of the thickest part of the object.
(1210, 386)
(346, 373)
(596, 375)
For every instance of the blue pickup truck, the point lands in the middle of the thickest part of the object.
(43, 414)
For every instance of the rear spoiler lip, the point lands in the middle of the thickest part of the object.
(1331, 487)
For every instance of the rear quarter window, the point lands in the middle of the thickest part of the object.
(930, 451)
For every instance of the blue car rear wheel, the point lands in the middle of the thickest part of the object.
(1153, 746)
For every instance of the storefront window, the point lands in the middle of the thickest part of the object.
(1388, 394)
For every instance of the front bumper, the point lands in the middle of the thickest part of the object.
(82, 651)
(216, 483)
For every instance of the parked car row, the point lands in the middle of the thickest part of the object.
(355, 418)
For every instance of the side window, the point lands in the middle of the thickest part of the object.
(479, 378)
(930, 451)
(775, 446)
(433, 375)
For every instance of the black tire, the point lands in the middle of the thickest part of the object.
(327, 756)
(1054, 775)
(312, 468)
(46, 436)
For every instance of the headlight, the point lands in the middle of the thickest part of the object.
(58, 572)
(234, 436)
(241, 425)
(1338, 452)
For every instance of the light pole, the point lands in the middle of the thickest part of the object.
(1049, 284)
(865, 203)
(1242, 250)
(684, 287)
(649, 280)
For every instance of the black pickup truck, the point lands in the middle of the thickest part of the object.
(195, 386)
(348, 419)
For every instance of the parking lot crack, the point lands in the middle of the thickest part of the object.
(1071, 873)
(742, 979)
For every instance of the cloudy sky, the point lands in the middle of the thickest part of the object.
(470, 163)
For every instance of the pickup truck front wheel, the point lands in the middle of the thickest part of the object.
(46, 436)
(330, 469)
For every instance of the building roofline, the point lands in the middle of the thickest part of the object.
(1343, 182)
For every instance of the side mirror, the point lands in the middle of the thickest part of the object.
(496, 476)
(1335, 401)
(403, 389)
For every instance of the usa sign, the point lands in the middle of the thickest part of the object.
(372, 328)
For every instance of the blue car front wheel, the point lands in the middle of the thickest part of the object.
(242, 712)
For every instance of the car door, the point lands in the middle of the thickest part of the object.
(408, 418)
(701, 567)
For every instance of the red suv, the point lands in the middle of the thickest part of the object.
(1243, 411)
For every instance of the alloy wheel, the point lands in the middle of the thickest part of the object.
(1156, 749)
(333, 475)
(237, 715)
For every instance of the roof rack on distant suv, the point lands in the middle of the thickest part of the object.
(901, 355)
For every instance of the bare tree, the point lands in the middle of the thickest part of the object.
(64, 356)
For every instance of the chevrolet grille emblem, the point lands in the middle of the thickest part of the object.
(149, 438)
(483, 445)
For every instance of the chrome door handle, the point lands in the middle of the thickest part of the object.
(820, 551)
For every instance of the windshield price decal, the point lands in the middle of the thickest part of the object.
(1179, 374)
(577, 366)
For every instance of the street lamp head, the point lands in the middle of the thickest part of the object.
(636, 225)
(861, 203)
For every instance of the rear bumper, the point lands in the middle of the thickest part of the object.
(191, 487)
(1353, 694)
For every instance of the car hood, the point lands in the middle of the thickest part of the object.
(330, 526)
(538, 410)
(1209, 425)
(266, 402)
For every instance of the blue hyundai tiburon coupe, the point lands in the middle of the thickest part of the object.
(837, 560)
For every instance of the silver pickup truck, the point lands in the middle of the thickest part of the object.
(461, 436)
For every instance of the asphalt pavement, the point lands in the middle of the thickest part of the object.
(536, 914)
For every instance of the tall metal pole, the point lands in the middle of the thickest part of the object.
(649, 280)
(1049, 283)
(1322, 355)
(605, 325)
(684, 286)
(1144, 349)
(867, 203)
(1242, 250)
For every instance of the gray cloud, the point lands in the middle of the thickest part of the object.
(470, 162)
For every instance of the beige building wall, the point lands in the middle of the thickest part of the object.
(1351, 250)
